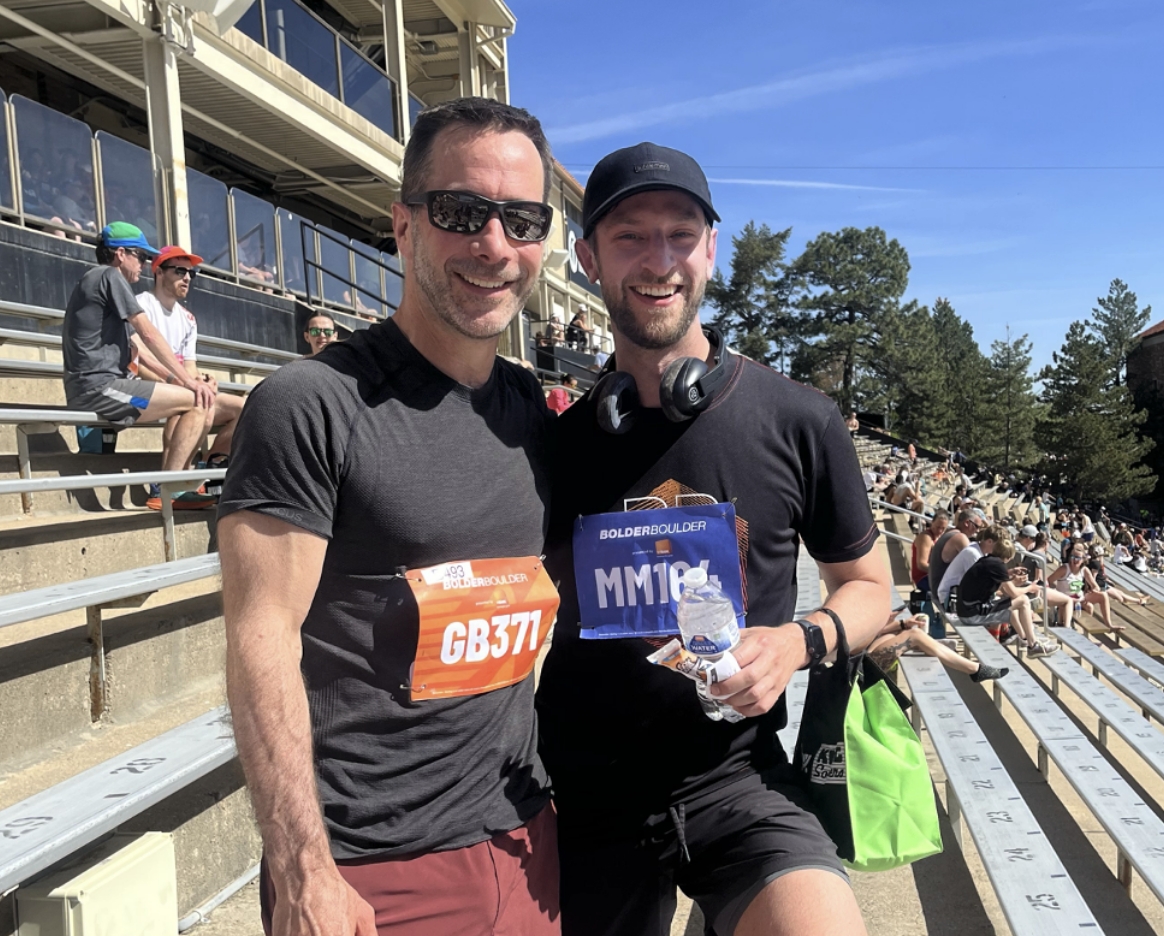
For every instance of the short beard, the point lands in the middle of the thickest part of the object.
(437, 294)
(657, 333)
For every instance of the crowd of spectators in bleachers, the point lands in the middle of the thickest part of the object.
(1047, 556)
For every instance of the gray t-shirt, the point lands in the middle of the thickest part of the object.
(95, 337)
(370, 446)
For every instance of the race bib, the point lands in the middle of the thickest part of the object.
(628, 566)
(482, 623)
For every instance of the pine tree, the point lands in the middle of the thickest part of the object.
(1013, 405)
(1117, 321)
(911, 372)
(1092, 427)
(753, 304)
(846, 284)
(965, 412)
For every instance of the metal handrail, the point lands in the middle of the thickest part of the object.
(308, 263)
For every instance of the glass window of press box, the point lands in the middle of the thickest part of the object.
(254, 238)
(296, 235)
(209, 220)
(335, 259)
(55, 156)
(7, 200)
(371, 292)
(127, 183)
(316, 51)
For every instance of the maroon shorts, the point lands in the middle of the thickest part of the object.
(506, 886)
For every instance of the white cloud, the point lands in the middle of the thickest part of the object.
(803, 184)
(808, 84)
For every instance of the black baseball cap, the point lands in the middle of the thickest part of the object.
(643, 168)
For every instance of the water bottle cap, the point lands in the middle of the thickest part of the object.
(694, 578)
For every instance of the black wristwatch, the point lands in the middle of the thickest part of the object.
(814, 642)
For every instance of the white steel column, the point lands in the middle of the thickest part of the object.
(394, 58)
(164, 100)
(470, 78)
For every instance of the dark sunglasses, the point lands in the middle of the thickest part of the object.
(467, 213)
(321, 332)
(140, 254)
(180, 271)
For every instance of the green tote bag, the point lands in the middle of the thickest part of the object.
(864, 767)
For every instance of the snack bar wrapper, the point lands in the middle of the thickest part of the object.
(700, 669)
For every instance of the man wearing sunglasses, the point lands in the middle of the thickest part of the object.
(319, 332)
(174, 270)
(375, 490)
(97, 355)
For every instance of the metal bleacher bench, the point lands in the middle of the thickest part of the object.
(128, 589)
(1149, 697)
(1133, 825)
(1146, 665)
(1034, 890)
(41, 830)
(50, 370)
(1109, 707)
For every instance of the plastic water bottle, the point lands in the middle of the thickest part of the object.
(707, 623)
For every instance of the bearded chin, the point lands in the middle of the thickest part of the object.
(658, 332)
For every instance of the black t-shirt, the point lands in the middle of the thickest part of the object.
(370, 446)
(624, 739)
(980, 582)
(95, 337)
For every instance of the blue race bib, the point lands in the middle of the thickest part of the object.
(628, 566)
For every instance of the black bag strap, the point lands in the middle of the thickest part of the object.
(843, 654)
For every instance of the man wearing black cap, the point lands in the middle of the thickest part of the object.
(651, 794)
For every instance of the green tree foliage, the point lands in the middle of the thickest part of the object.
(1117, 321)
(912, 377)
(753, 306)
(1013, 407)
(1091, 426)
(965, 390)
(846, 285)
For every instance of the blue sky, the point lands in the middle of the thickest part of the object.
(1015, 149)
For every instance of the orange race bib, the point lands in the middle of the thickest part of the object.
(482, 623)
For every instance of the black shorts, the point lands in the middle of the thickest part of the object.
(722, 848)
(995, 611)
(122, 400)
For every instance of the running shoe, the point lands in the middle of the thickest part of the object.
(187, 500)
(1042, 648)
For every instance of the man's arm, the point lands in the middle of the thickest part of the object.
(768, 656)
(264, 607)
(168, 361)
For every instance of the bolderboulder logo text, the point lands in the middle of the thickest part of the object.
(656, 166)
(828, 765)
(654, 529)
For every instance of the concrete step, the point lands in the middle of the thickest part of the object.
(36, 551)
(172, 645)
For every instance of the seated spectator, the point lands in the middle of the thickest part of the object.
(905, 496)
(97, 351)
(851, 423)
(1075, 580)
(174, 270)
(1099, 573)
(600, 359)
(911, 452)
(987, 595)
(1123, 536)
(923, 543)
(1032, 572)
(1121, 554)
(319, 332)
(982, 545)
(901, 635)
(559, 399)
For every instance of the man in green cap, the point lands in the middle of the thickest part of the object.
(96, 347)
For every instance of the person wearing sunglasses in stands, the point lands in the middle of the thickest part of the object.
(96, 347)
(319, 332)
(174, 270)
(380, 531)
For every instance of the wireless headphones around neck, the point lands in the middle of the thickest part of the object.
(686, 388)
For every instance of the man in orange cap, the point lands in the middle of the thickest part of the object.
(174, 270)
